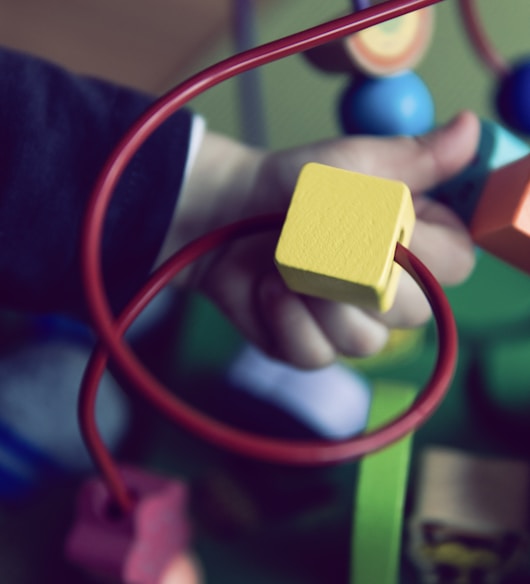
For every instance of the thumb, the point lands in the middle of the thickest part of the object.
(424, 161)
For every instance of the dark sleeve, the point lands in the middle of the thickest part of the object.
(56, 132)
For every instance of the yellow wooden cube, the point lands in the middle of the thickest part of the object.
(340, 234)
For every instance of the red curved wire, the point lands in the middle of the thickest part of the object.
(479, 40)
(109, 331)
(272, 450)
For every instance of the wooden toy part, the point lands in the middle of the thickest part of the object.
(497, 148)
(340, 234)
(501, 221)
(184, 569)
(137, 548)
(380, 495)
(470, 515)
(393, 46)
(331, 58)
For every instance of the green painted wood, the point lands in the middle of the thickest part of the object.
(380, 494)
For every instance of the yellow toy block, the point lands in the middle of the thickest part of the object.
(340, 234)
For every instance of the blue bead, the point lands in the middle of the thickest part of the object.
(385, 106)
(513, 98)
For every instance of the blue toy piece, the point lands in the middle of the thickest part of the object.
(513, 98)
(497, 147)
(39, 434)
(384, 106)
(42, 361)
(333, 402)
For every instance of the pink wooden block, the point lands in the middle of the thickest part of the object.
(136, 548)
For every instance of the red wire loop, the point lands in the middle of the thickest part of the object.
(479, 40)
(110, 331)
(273, 450)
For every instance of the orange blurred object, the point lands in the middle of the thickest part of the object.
(393, 46)
(501, 221)
(184, 569)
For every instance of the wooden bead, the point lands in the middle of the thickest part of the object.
(138, 548)
(513, 96)
(340, 234)
(393, 46)
(497, 148)
(399, 104)
(501, 221)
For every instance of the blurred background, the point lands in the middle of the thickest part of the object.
(260, 523)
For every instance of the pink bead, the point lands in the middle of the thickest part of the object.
(136, 548)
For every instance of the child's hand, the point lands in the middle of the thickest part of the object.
(230, 182)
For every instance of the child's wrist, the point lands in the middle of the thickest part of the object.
(216, 193)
